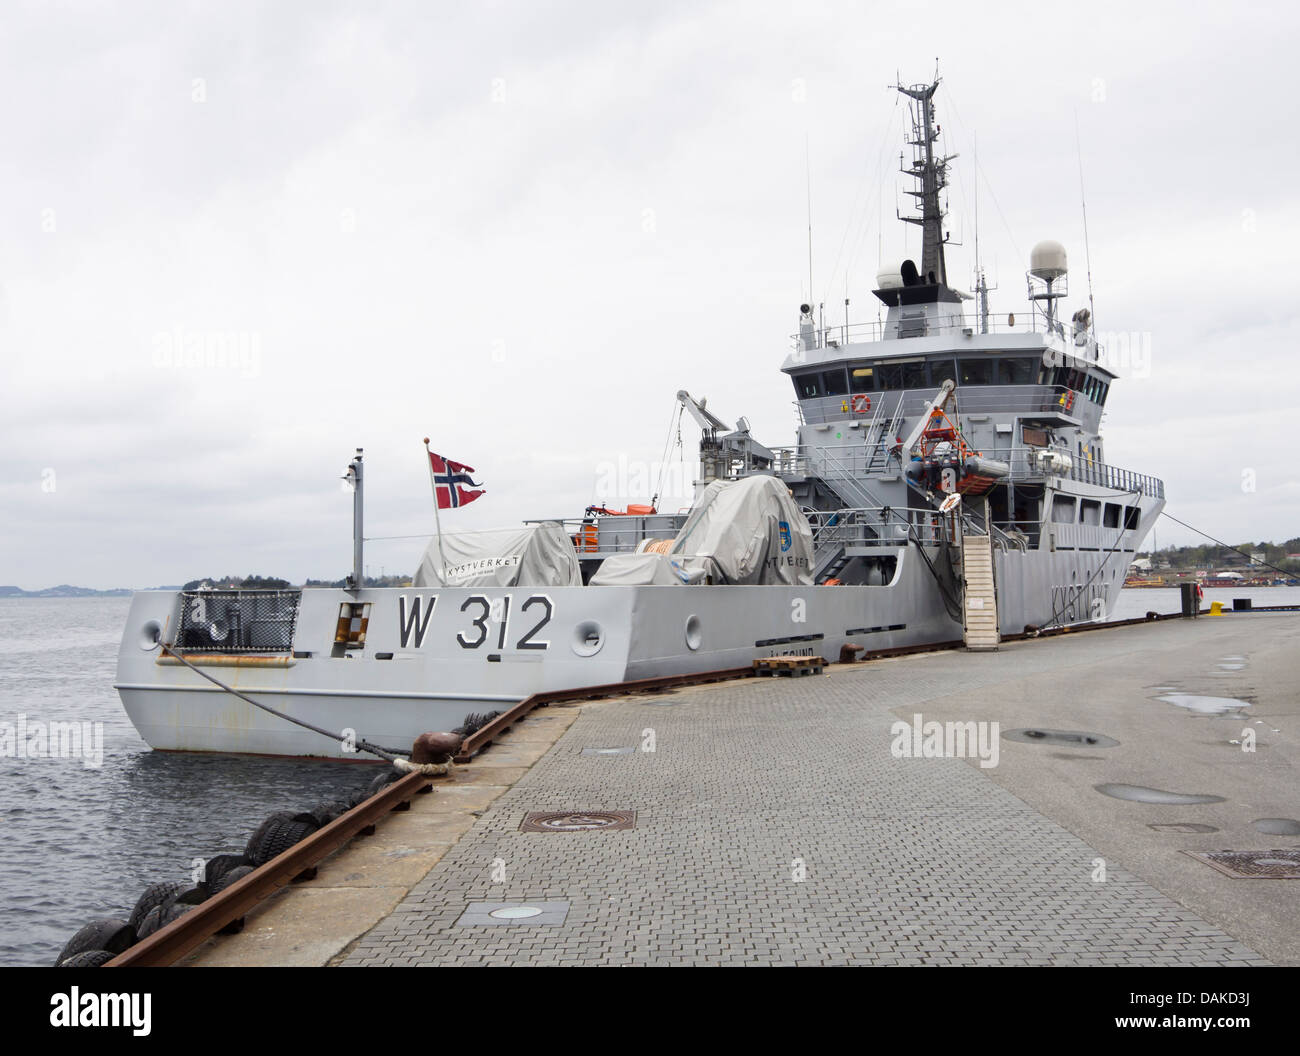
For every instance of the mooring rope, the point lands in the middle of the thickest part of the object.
(362, 745)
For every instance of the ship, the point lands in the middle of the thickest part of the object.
(947, 482)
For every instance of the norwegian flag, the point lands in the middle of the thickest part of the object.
(449, 479)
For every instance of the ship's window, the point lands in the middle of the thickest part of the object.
(890, 375)
(1017, 371)
(942, 370)
(808, 386)
(862, 379)
(835, 382)
(914, 375)
(1111, 517)
(1063, 509)
(976, 372)
(1089, 512)
(1132, 514)
(1105, 390)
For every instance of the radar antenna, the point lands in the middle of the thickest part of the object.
(931, 174)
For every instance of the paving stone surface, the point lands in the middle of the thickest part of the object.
(774, 826)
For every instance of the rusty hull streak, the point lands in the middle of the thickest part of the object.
(225, 660)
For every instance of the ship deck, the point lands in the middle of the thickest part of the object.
(754, 784)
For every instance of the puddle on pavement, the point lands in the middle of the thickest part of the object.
(1205, 705)
(1278, 826)
(1061, 738)
(1141, 794)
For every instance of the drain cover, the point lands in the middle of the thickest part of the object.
(1068, 738)
(624, 750)
(1183, 826)
(1262, 865)
(579, 821)
(513, 914)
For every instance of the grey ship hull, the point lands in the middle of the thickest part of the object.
(402, 684)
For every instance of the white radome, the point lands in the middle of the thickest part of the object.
(1047, 260)
(888, 278)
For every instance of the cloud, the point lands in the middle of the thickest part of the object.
(239, 241)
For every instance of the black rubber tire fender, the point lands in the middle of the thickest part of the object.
(109, 934)
(277, 834)
(160, 916)
(153, 896)
(383, 780)
(88, 959)
(219, 865)
(233, 876)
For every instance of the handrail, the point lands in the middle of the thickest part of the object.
(947, 323)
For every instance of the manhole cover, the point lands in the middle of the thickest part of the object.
(1183, 826)
(1262, 865)
(1067, 738)
(579, 821)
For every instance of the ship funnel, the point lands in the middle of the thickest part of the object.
(1047, 261)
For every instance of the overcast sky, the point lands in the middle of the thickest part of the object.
(519, 229)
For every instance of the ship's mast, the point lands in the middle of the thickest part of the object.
(931, 174)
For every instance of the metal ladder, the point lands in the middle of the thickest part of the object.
(880, 434)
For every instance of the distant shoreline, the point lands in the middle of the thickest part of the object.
(66, 591)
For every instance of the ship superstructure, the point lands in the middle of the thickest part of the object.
(949, 465)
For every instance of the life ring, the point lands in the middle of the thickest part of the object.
(861, 403)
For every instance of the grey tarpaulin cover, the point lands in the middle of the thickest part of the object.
(535, 555)
(639, 570)
(747, 531)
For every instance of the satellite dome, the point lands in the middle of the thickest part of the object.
(1047, 260)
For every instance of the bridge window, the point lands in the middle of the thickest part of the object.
(862, 379)
(1063, 509)
(1132, 515)
(1111, 516)
(806, 386)
(942, 370)
(914, 375)
(835, 382)
(976, 372)
(1017, 371)
(1089, 512)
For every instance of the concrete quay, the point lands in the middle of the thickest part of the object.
(776, 822)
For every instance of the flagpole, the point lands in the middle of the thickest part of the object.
(437, 520)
